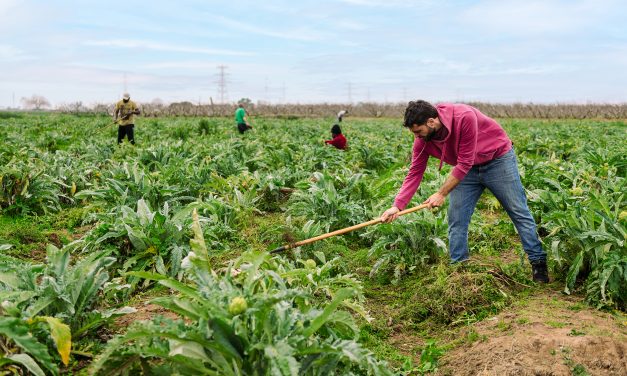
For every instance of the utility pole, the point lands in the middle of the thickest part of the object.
(222, 83)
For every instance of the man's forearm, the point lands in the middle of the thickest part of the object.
(450, 184)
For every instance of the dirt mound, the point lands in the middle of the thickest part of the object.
(548, 334)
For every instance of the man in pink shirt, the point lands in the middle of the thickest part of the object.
(482, 154)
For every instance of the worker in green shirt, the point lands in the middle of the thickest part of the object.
(241, 118)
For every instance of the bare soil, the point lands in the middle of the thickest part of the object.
(145, 311)
(547, 334)
(38, 254)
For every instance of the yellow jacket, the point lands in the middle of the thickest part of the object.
(124, 112)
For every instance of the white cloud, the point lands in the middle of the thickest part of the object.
(191, 65)
(302, 34)
(535, 17)
(6, 6)
(15, 15)
(10, 53)
(441, 66)
(389, 3)
(139, 44)
(351, 25)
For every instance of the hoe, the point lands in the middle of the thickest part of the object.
(123, 117)
(342, 231)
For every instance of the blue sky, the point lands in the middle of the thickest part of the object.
(314, 51)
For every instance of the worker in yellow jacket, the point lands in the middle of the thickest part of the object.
(123, 115)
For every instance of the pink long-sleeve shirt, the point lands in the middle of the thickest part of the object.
(473, 139)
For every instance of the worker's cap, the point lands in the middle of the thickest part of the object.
(126, 96)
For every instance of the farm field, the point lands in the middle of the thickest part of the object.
(154, 258)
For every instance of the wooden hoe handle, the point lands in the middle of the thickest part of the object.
(343, 231)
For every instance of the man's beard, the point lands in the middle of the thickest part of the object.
(429, 136)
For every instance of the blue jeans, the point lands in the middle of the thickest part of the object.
(501, 177)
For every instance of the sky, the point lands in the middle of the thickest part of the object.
(342, 51)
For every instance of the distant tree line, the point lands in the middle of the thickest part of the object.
(157, 108)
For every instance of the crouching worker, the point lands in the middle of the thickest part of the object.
(339, 141)
(241, 118)
(341, 115)
(482, 154)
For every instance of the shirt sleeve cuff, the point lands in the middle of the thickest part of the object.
(459, 174)
(400, 205)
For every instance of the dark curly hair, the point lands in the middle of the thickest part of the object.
(335, 130)
(418, 112)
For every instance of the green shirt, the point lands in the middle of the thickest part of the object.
(240, 113)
